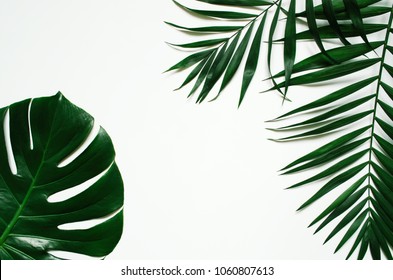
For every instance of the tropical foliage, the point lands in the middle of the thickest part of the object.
(356, 161)
(221, 57)
(38, 164)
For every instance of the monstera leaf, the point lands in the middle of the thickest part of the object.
(37, 137)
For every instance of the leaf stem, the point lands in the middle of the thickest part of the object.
(22, 206)
(379, 81)
(244, 27)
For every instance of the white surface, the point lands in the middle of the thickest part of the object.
(201, 181)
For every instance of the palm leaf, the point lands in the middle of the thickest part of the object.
(289, 44)
(244, 41)
(37, 217)
(362, 151)
(341, 20)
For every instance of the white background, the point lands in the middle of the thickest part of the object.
(201, 181)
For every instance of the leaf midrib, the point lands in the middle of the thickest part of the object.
(22, 206)
(243, 27)
(379, 81)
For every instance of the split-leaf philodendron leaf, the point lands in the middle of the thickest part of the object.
(37, 137)
(357, 162)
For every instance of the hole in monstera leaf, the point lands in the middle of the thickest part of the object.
(8, 144)
(29, 122)
(73, 191)
(71, 157)
(82, 225)
(88, 223)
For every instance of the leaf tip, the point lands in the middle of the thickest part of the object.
(270, 121)
(267, 90)
(311, 224)
(59, 96)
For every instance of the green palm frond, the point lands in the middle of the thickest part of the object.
(240, 39)
(358, 163)
(240, 27)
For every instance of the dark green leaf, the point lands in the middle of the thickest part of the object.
(388, 89)
(331, 126)
(382, 241)
(333, 72)
(193, 73)
(329, 156)
(333, 169)
(344, 92)
(329, 147)
(387, 162)
(375, 249)
(387, 232)
(203, 73)
(386, 146)
(339, 7)
(334, 183)
(347, 219)
(385, 220)
(327, 32)
(358, 239)
(199, 44)
(364, 244)
(191, 60)
(352, 229)
(43, 135)
(332, 113)
(348, 203)
(390, 48)
(218, 68)
(382, 174)
(335, 206)
(366, 12)
(329, 10)
(386, 127)
(340, 55)
(383, 188)
(252, 60)
(273, 28)
(385, 205)
(237, 58)
(289, 44)
(353, 10)
(389, 69)
(313, 27)
(387, 108)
